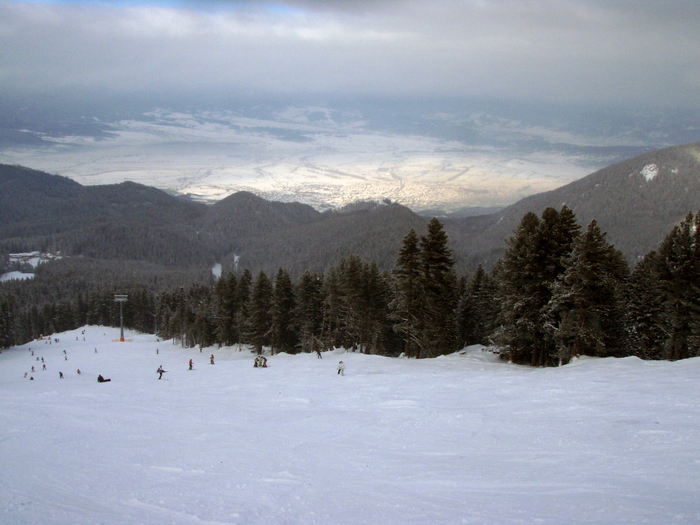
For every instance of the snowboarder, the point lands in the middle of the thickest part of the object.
(160, 372)
(341, 368)
(191, 364)
(211, 359)
(101, 379)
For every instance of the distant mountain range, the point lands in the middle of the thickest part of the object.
(636, 201)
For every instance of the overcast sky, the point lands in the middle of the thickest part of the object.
(644, 52)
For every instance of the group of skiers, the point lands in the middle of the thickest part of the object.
(260, 362)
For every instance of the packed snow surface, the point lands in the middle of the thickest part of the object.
(458, 439)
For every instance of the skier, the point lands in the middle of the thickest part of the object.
(44, 366)
(78, 371)
(341, 368)
(211, 359)
(318, 354)
(160, 372)
(263, 361)
(60, 375)
(257, 362)
(190, 364)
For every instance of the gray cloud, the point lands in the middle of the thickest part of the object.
(562, 51)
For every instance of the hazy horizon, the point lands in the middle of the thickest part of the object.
(446, 105)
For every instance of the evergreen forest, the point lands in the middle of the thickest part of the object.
(558, 292)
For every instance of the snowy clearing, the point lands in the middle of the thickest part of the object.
(458, 439)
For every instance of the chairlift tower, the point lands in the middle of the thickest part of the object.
(121, 299)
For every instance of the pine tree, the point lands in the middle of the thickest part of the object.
(518, 286)
(258, 327)
(226, 308)
(333, 327)
(440, 287)
(283, 334)
(407, 305)
(7, 321)
(242, 298)
(377, 328)
(647, 320)
(679, 268)
(587, 299)
(353, 301)
(477, 309)
(532, 263)
(309, 312)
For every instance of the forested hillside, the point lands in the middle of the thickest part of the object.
(636, 201)
(560, 291)
(542, 285)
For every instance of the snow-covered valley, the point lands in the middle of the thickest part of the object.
(459, 439)
(298, 156)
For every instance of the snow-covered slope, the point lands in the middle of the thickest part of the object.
(459, 439)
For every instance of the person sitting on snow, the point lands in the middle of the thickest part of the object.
(101, 379)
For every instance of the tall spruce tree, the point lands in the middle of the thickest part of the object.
(586, 311)
(258, 327)
(7, 321)
(332, 328)
(438, 334)
(283, 334)
(532, 262)
(242, 299)
(679, 272)
(477, 309)
(226, 307)
(407, 306)
(309, 311)
(647, 321)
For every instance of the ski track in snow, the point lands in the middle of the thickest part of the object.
(458, 439)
